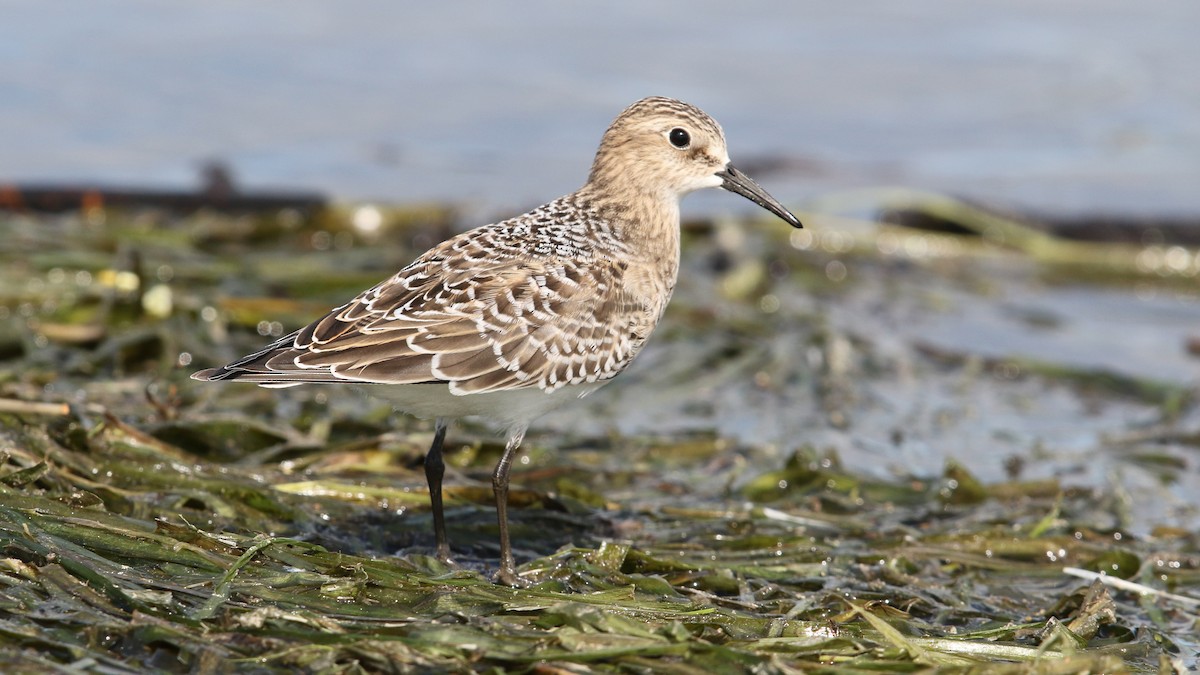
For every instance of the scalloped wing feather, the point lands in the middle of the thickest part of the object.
(529, 302)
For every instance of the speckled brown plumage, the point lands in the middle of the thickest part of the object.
(535, 301)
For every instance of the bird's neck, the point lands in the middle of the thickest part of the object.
(647, 227)
(647, 223)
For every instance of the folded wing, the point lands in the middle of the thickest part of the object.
(518, 323)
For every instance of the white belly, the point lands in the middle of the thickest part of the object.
(508, 408)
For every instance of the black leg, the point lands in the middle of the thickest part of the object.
(435, 468)
(507, 574)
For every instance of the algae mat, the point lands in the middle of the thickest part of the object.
(847, 450)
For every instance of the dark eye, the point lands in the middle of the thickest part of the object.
(679, 138)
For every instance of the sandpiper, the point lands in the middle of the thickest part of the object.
(510, 320)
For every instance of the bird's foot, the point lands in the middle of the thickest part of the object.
(443, 554)
(507, 575)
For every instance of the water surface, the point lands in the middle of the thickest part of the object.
(1066, 107)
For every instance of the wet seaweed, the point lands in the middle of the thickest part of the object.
(151, 523)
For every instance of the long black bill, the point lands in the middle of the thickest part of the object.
(736, 181)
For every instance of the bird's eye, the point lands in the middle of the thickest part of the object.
(679, 138)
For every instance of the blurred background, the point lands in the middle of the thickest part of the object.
(1064, 107)
(458, 114)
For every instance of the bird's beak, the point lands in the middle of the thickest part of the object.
(736, 181)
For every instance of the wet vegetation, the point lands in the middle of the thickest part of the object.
(820, 466)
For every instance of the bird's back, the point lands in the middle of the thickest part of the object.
(536, 301)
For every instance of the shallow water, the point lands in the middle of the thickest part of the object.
(1032, 376)
(1068, 107)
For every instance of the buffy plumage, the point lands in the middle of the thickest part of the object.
(510, 320)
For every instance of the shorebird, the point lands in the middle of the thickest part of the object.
(510, 320)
